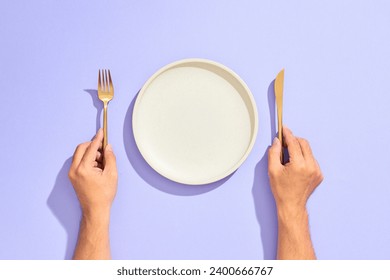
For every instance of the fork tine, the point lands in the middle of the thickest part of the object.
(111, 85)
(105, 80)
(99, 82)
(102, 80)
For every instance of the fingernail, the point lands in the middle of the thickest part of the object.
(109, 148)
(276, 140)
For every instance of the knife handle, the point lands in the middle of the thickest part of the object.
(280, 136)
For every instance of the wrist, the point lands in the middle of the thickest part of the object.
(96, 216)
(290, 215)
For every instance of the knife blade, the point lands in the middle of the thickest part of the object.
(278, 88)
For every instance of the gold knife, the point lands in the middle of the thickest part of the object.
(278, 87)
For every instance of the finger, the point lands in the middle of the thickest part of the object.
(90, 153)
(292, 143)
(99, 165)
(99, 156)
(109, 160)
(79, 153)
(274, 155)
(306, 149)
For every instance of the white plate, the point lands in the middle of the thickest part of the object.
(195, 121)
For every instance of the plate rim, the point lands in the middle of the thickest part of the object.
(252, 102)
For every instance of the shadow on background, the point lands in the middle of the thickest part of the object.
(62, 200)
(148, 174)
(98, 104)
(64, 204)
(261, 191)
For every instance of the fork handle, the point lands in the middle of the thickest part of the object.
(105, 139)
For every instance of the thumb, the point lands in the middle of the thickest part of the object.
(274, 155)
(109, 160)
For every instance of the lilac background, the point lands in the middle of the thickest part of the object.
(337, 60)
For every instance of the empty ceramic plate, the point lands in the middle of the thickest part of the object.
(195, 121)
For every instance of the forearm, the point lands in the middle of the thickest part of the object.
(294, 240)
(93, 242)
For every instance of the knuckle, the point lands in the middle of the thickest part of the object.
(71, 174)
(271, 172)
(77, 172)
(80, 172)
(83, 145)
(320, 176)
(295, 141)
(79, 148)
(312, 170)
(301, 167)
(305, 141)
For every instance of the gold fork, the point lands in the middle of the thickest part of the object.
(106, 94)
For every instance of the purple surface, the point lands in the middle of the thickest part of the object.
(337, 61)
